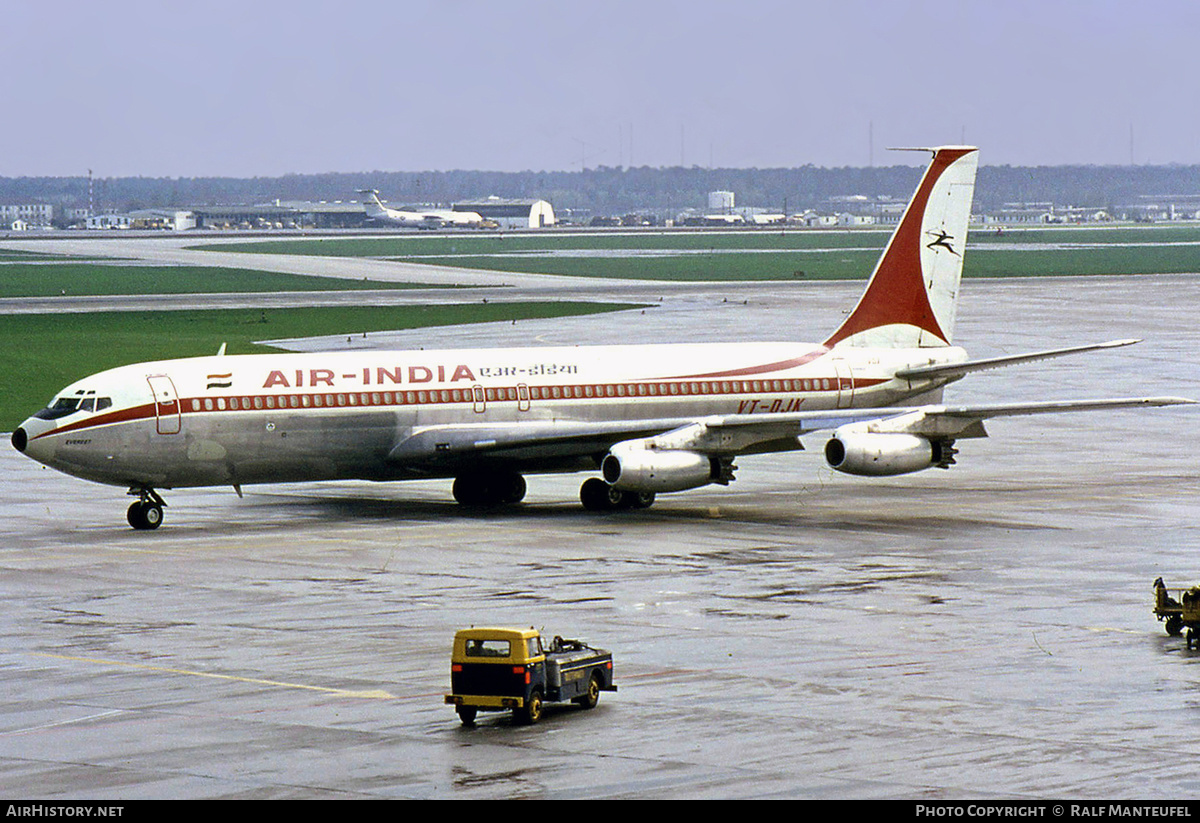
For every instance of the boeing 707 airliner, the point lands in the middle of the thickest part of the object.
(642, 419)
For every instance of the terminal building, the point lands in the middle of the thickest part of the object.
(27, 216)
(296, 214)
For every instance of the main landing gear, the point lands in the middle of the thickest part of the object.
(504, 488)
(147, 512)
(598, 496)
(501, 488)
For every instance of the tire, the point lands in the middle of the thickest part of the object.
(144, 516)
(591, 697)
(467, 715)
(489, 489)
(639, 500)
(1174, 625)
(152, 515)
(531, 712)
(598, 496)
(514, 489)
(468, 491)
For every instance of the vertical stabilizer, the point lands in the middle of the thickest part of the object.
(911, 298)
(371, 204)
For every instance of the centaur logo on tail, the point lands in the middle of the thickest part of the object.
(646, 419)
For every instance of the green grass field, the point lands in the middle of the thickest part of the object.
(496, 243)
(46, 352)
(70, 277)
(770, 255)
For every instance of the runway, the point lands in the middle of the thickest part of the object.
(980, 632)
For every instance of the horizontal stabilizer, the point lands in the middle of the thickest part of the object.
(985, 411)
(955, 370)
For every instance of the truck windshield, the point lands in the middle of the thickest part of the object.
(488, 648)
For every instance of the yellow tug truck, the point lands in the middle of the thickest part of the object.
(1179, 612)
(499, 669)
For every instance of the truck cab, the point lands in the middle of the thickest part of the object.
(498, 669)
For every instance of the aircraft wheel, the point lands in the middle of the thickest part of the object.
(639, 500)
(489, 489)
(145, 516)
(598, 496)
(514, 488)
(467, 490)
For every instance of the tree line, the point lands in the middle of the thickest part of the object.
(618, 190)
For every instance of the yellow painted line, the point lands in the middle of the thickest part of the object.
(374, 694)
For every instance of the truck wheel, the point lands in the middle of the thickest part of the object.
(591, 697)
(1174, 625)
(467, 715)
(531, 712)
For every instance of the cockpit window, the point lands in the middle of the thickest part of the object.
(59, 408)
(69, 405)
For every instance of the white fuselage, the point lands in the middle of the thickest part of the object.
(320, 416)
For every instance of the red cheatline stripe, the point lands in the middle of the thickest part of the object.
(106, 419)
(640, 390)
(768, 367)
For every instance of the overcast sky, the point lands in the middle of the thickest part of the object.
(215, 88)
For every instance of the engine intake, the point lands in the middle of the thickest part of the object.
(885, 454)
(630, 466)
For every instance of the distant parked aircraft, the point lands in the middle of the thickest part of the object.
(425, 219)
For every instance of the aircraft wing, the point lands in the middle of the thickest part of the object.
(526, 441)
(716, 435)
(937, 420)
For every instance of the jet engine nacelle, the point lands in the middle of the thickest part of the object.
(872, 454)
(631, 467)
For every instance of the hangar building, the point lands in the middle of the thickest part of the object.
(511, 214)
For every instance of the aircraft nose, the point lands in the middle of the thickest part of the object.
(28, 439)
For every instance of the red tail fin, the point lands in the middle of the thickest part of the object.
(911, 298)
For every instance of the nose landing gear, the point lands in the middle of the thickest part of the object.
(147, 512)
